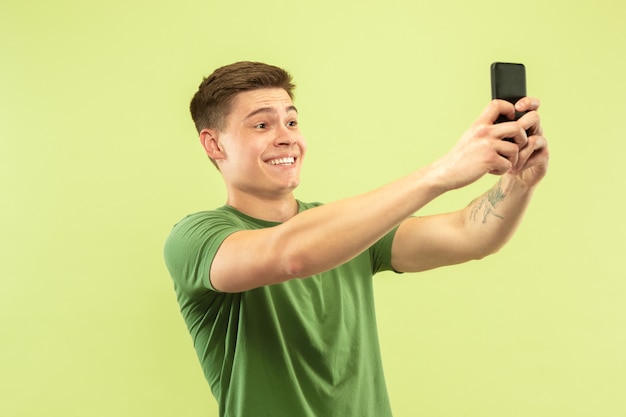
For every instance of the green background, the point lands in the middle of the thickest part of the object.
(99, 158)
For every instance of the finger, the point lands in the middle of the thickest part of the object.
(524, 155)
(503, 166)
(531, 123)
(511, 132)
(493, 110)
(527, 104)
(509, 155)
(503, 158)
(532, 154)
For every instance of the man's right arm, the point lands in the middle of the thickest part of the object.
(324, 237)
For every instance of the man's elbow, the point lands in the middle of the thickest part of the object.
(485, 251)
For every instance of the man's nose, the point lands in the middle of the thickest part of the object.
(285, 136)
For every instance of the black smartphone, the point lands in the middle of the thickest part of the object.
(508, 82)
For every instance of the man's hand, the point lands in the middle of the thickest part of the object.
(482, 148)
(428, 242)
(532, 163)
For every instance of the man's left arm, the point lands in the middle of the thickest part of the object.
(488, 222)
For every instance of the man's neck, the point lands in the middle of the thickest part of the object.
(273, 210)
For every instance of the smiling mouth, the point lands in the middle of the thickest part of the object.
(290, 160)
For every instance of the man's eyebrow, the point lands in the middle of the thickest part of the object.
(269, 110)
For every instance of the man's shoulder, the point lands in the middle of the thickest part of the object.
(227, 215)
(220, 213)
(202, 223)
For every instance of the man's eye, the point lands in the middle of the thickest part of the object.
(260, 126)
(293, 123)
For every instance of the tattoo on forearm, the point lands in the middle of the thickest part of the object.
(486, 205)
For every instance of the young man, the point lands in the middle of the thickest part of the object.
(277, 293)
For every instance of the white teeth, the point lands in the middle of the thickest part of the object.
(282, 161)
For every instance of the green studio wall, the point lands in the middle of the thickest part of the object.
(99, 158)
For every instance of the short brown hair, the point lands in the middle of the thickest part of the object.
(212, 102)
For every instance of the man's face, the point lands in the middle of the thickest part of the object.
(262, 145)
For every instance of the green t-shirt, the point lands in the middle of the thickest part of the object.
(303, 348)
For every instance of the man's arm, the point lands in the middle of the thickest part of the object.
(327, 236)
(486, 224)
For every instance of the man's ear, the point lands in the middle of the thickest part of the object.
(211, 144)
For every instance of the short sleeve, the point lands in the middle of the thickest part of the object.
(380, 253)
(191, 247)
